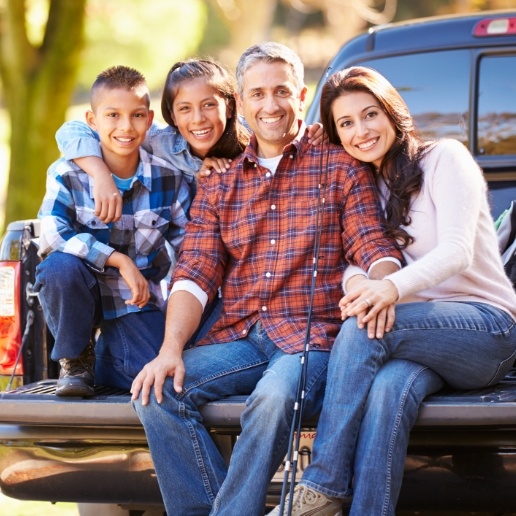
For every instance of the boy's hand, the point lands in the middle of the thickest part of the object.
(316, 134)
(219, 165)
(133, 277)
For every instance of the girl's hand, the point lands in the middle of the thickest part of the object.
(316, 134)
(219, 165)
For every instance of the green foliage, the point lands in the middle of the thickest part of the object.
(149, 35)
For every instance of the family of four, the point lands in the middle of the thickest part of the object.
(406, 230)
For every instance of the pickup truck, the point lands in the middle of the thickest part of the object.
(458, 76)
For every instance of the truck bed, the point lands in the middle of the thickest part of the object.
(462, 453)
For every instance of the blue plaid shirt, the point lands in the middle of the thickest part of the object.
(154, 216)
(76, 139)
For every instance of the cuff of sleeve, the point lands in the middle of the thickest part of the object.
(385, 259)
(193, 288)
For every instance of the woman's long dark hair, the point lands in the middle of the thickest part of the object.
(400, 167)
(235, 136)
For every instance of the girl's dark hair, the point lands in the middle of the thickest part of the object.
(235, 136)
(400, 168)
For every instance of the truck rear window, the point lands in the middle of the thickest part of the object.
(496, 128)
(433, 84)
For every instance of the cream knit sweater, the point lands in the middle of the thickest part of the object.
(454, 256)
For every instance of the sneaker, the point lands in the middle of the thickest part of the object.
(307, 502)
(76, 374)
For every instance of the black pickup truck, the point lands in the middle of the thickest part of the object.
(458, 76)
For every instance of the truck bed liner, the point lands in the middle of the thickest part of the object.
(36, 404)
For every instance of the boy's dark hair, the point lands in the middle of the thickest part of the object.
(117, 77)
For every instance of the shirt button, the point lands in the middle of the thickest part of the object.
(273, 241)
(273, 207)
(267, 174)
(244, 332)
(268, 274)
(264, 308)
(255, 165)
(291, 156)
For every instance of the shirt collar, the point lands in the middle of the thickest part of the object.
(250, 155)
(143, 172)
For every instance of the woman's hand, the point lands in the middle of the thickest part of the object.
(373, 303)
(219, 165)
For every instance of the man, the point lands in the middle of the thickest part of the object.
(252, 233)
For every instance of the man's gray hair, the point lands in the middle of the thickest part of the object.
(270, 52)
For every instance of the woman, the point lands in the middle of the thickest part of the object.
(455, 308)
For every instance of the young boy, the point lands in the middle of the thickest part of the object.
(107, 276)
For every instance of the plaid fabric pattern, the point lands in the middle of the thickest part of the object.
(154, 216)
(253, 233)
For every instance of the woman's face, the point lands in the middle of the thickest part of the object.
(364, 129)
(200, 114)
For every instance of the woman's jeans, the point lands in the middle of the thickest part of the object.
(193, 477)
(371, 400)
(70, 298)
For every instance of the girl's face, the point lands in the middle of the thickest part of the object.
(364, 129)
(200, 114)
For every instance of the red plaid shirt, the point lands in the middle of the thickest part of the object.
(252, 233)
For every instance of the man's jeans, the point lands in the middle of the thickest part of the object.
(372, 401)
(193, 477)
(70, 298)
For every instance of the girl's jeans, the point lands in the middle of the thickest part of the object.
(372, 401)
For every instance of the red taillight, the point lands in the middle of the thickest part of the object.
(10, 318)
(495, 27)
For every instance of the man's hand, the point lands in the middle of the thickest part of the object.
(133, 277)
(166, 364)
(219, 165)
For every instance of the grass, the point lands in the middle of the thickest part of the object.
(14, 507)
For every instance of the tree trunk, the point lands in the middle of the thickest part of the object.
(38, 82)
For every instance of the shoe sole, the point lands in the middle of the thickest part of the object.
(74, 388)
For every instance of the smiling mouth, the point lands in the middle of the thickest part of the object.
(271, 119)
(124, 139)
(368, 144)
(201, 132)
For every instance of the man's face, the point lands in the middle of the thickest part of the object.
(271, 104)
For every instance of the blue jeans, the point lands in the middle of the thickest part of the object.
(193, 477)
(362, 435)
(69, 295)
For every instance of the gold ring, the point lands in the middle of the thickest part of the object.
(367, 302)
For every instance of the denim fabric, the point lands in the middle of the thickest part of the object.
(69, 294)
(193, 477)
(470, 345)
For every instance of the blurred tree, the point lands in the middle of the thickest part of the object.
(38, 78)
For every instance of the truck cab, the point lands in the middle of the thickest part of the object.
(458, 77)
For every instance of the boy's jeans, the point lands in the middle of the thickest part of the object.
(365, 433)
(192, 475)
(69, 295)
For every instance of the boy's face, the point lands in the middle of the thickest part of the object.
(121, 118)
